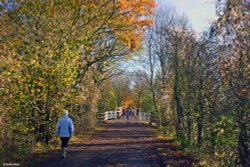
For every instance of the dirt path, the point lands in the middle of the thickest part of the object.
(121, 144)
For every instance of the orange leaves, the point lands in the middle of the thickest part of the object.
(127, 19)
(127, 101)
(243, 91)
(135, 16)
(145, 22)
(123, 4)
(137, 10)
(139, 7)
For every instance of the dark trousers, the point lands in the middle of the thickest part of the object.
(64, 141)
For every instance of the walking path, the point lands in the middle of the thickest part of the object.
(120, 144)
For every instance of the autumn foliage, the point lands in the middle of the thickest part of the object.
(54, 55)
(127, 101)
(201, 88)
(135, 14)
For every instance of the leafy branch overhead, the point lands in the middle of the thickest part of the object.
(54, 54)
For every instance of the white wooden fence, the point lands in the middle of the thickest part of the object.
(109, 115)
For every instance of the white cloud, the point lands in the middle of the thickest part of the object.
(199, 12)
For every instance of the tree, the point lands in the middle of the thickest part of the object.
(107, 99)
(233, 25)
(121, 89)
(205, 80)
(56, 53)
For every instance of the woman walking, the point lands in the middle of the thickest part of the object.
(64, 129)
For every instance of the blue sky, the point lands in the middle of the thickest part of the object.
(199, 12)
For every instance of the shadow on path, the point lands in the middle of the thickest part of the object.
(121, 144)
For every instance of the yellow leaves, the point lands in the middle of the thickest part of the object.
(203, 163)
(32, 62)
(38, 144)
(42, 68)
(8, 73)
(32, 91)
(41, 79)
(221, 131)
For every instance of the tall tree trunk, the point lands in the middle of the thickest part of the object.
(201, 114)
(47, 135)
(152, 86)
(243, 115)
(242, 148)
(179, 109)
(189, 115)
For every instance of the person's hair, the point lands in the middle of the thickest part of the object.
(65, 112)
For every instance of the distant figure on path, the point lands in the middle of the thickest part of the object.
(64, 129)
(127, 113)
(133, 111)
(123, 110)
(137, 112)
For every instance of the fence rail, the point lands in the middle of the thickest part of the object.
(144, 116)
(148, 117)
(107, 115)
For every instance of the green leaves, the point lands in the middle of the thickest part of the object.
(55, 55)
